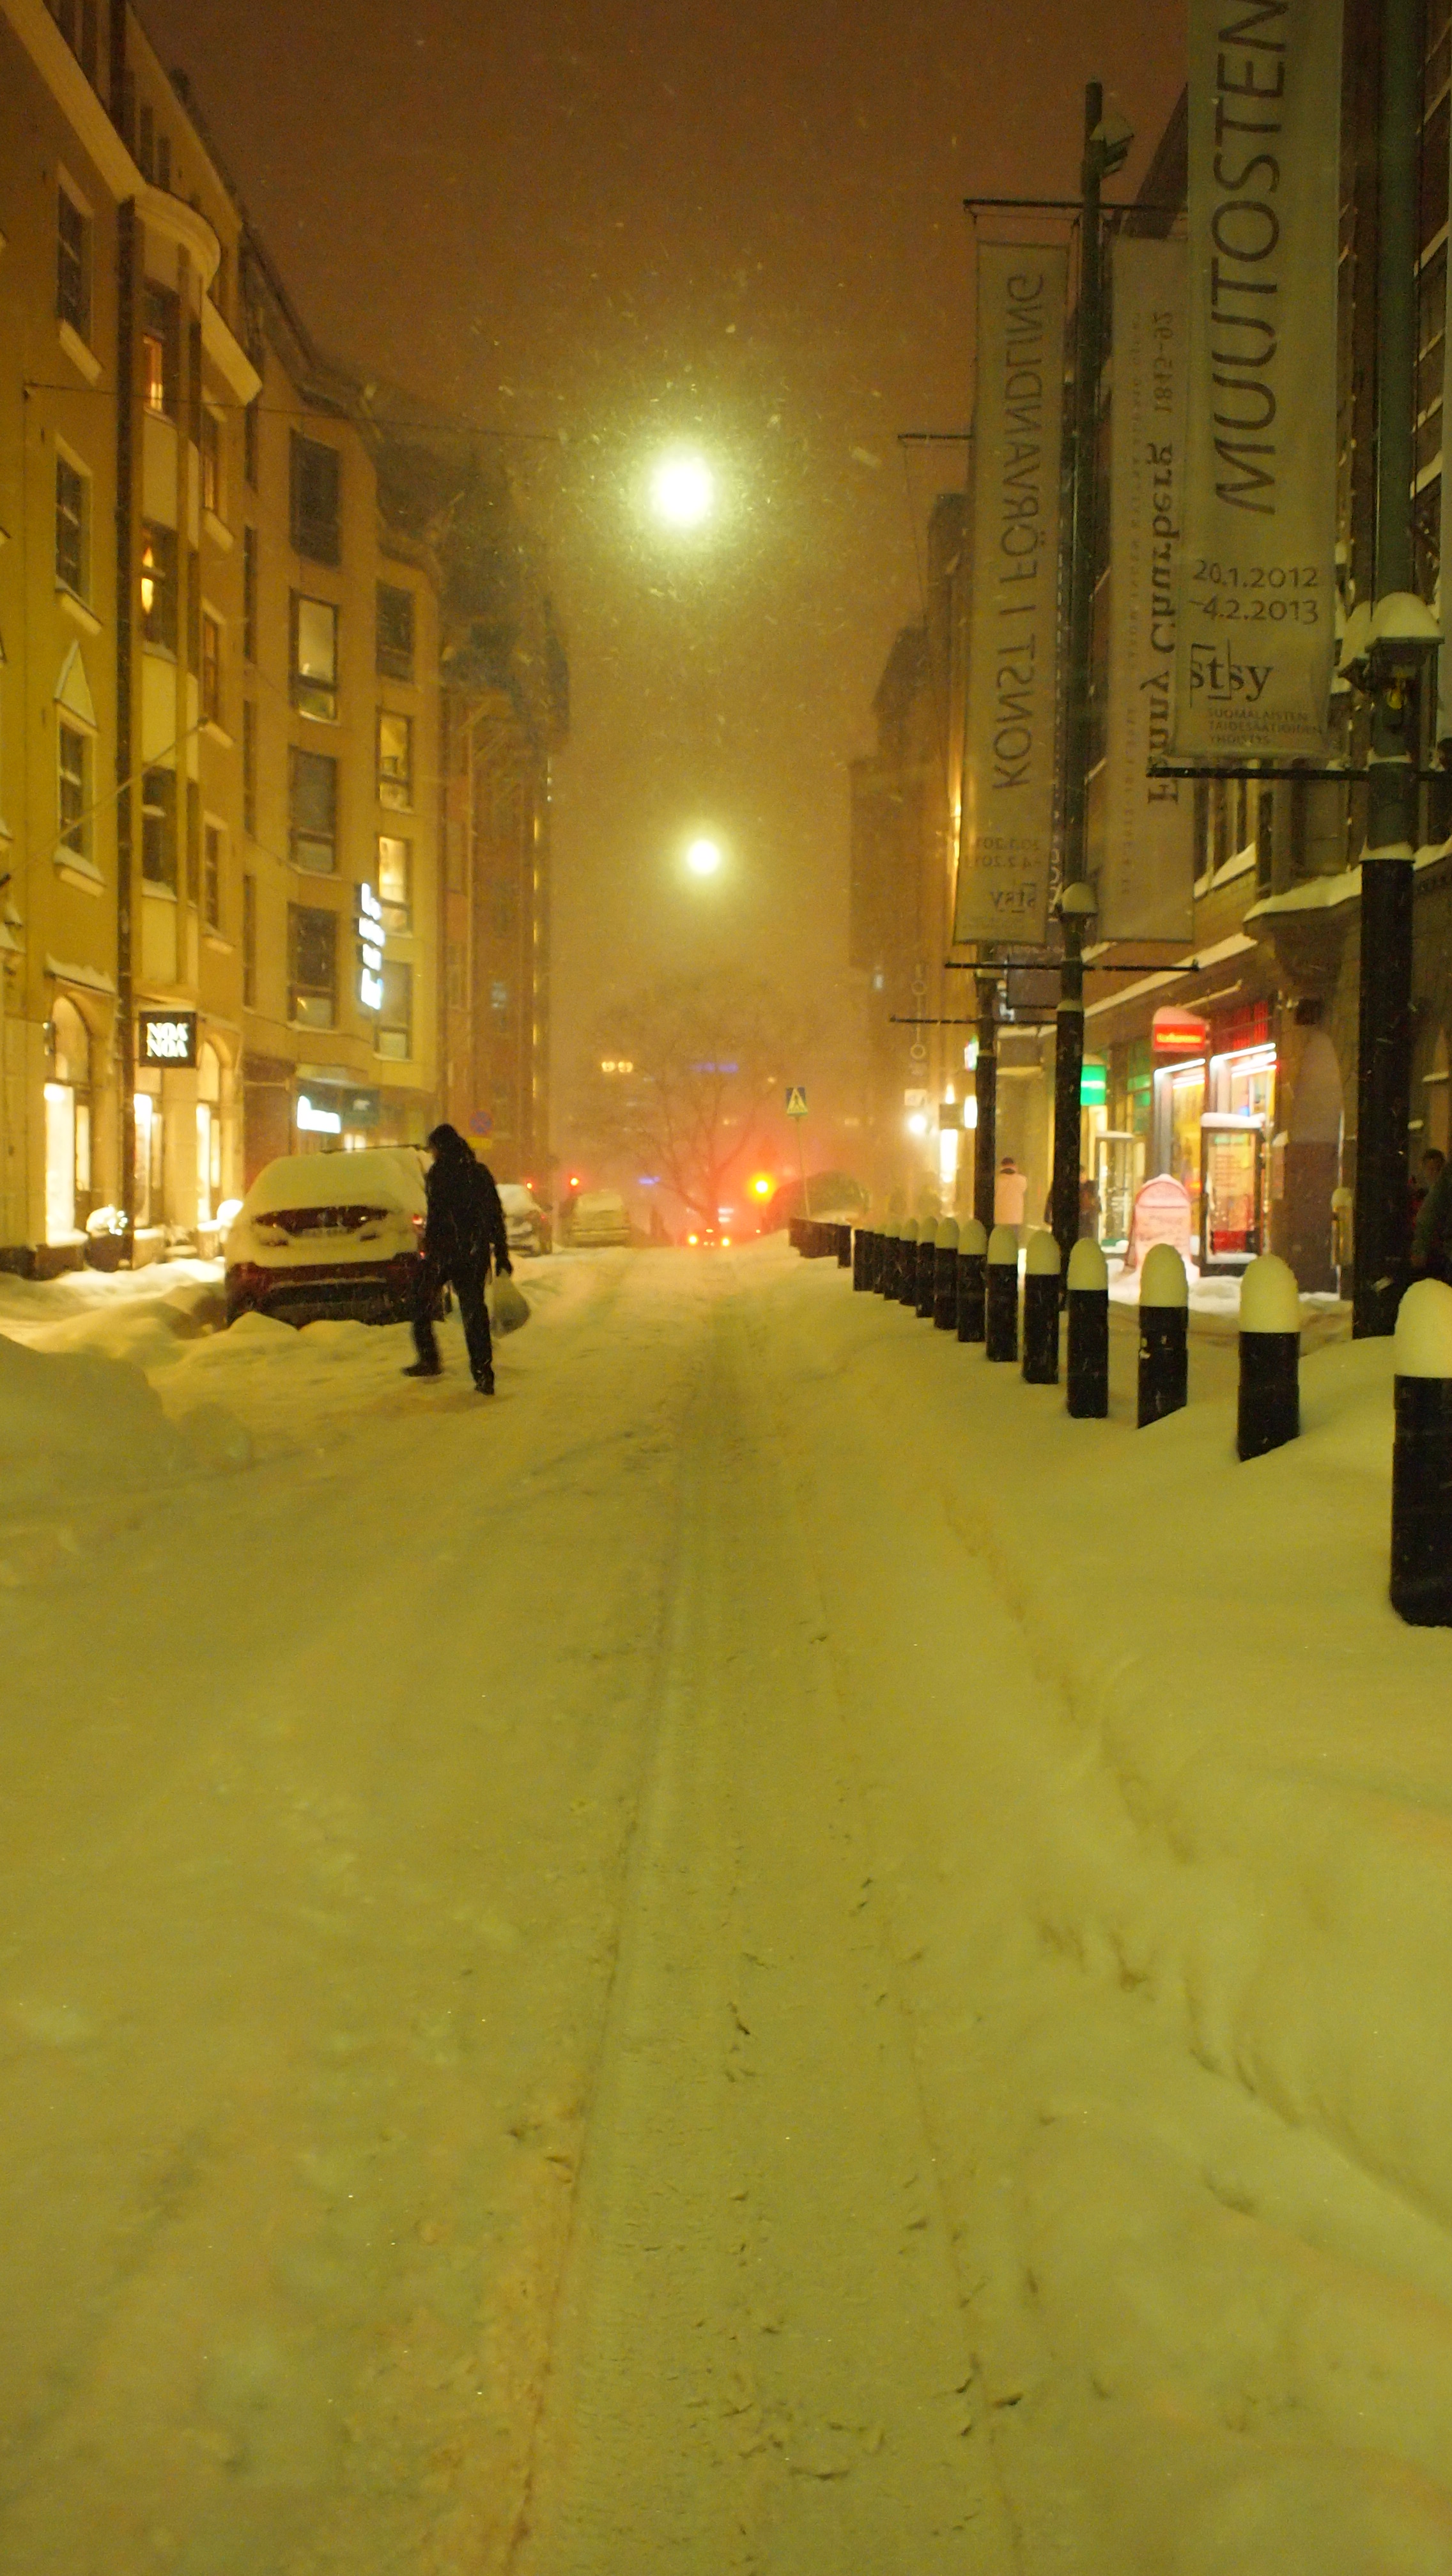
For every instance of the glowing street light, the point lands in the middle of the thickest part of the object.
(703, 858)
(683, 491)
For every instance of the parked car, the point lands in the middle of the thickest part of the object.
(525, 1222)
(329, 1234)
(599, 1217)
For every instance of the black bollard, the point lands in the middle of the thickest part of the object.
(844, 1247)
(972, 1256)
(907, 1264)
(1421, 1540)
(1269, 1412)
(861, 1247)
(891, 1253)
(1088, 1370)
(1164, 1331)
(872, 1259)
(927, 1269)
(1041, 1311)
(1000, 1300)
(945, 1281)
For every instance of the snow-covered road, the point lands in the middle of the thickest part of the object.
(760, 1954)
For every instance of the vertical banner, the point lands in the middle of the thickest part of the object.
(1258, 560)
(1147, 868)
(1006, 841)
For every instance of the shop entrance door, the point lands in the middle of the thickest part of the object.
(60, 1162)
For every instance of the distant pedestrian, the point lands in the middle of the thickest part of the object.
(1010, 1189)
(1432, 1240)
(1432, 1163)
(1089, 1210)
(465, 1230)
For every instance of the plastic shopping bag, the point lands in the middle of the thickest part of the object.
(508, 1306)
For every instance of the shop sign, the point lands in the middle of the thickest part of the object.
(166, 1037)
(1179, 1033)
(1093, 1084)
(1161, 1215)
(372, 941)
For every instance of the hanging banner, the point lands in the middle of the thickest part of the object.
(1006, 839)
(1444, 658)
(1256, 644)
(1147, 867)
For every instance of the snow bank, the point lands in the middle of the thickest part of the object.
(76, 1430)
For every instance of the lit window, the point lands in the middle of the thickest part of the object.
(70, 527)
(161, 316)
(158, 586)
(313, 965)
(315, 658)
(395, 760)
(73, 266)
(395, 871)
(212, 463)
(74, 785)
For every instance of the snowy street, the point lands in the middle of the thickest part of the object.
(758, 1954)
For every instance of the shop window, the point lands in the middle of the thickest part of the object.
(212, 875)
(395, 632)
(249, 942)
(211, 668)
(158, 827)
(249, 594)
(312, 966)
(74, 782)
(315, 658)
(72, 517)
(212, 495)
(160, 350)
(73, 265)
(249, 767)
(395, 760)
(395, 881)
(394, 1036)
(316, 499)
(313, 804)
(158, 586)
(148, 1164)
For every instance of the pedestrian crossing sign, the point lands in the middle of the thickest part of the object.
(796, 1100)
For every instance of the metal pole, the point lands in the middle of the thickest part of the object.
(1383, 1083)
(1076, 903)
(125, 792)
(985, 1081)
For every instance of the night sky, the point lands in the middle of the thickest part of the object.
(735, 223)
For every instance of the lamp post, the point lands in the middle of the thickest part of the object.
(1400, 651)
(1106, 147)
(985, 1084)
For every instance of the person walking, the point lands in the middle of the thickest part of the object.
(464, 1231)
(1432, 1236)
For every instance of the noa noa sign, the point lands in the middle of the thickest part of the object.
(166, 1037)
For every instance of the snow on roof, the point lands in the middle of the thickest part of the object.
(380, 1176)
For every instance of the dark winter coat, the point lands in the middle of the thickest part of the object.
(1431, 1247)
(465, 1219)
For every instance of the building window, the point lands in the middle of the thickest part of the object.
(312, 966)
(73, 266)
(212, 875)
(249, 594)
(249, 943)
(70, 527)
(395, 881)
(315, 658)
(74, 758)
(313, 798)
(395, 632)
(195, 408)
(395, 760)
(316, 495)
(160, 328)
(394, 1036)
(249, 767)
(158, 827)
(249, 444)
(158, 586)
(212, 463)
(194, 841)
(211, 669)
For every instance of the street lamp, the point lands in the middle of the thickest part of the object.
(683, 490)
(703, 858)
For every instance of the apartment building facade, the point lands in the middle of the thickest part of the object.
(223, 696)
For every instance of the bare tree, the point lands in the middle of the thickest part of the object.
(684, 1081)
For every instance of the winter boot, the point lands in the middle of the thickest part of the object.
(484, 1380)
(423, 1368)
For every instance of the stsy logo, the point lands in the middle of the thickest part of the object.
(1225, 681)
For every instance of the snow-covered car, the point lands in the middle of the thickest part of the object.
(599, 1217)
(525, 1222)
(329, 1234)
